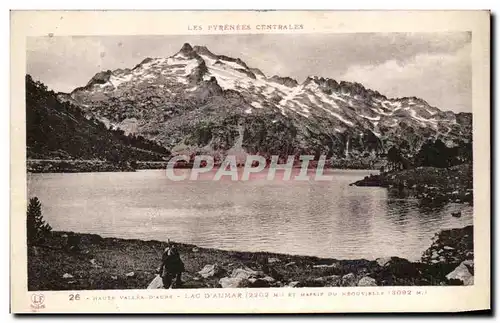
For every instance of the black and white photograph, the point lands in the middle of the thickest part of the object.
(249, 160)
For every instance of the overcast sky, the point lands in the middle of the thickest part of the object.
(433, 66)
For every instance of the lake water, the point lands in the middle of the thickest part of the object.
(319, 218)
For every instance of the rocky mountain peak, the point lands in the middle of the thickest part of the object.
(196, 98)
(186, 48)
(203, 50)
(100, 78)
(286, 81)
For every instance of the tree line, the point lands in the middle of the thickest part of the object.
(56, 129)
(433, 153)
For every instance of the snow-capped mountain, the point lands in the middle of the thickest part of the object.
(197, 101)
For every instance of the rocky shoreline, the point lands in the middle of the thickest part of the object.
(109, 263)
(86, 166)
(75, 166)
(429, 184)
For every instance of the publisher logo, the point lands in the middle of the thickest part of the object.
(37, 301)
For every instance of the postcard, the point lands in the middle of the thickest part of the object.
(250, 161)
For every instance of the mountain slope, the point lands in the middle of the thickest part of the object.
(197, 101)
(56, 130)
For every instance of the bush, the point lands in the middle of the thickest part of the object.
(37, 229)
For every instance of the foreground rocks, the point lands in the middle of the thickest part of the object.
(463, 273)
(451, 247)
(109, 263)
(246, 277)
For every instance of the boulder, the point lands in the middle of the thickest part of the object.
(383, 261)
(245, 273)
(210, 271)
(156, 283)
(290, 264)
(269, 279)
(292, 284)
(469, 281)
(130, 274)
(333, 281)
(230, 282)
(258, 282)
(367, 281)
(67, 276)
(461, 273)
(448, 248)
(272, 260)
(195, 249)
(329, 281)
(469, 263)
(244, 277)
(349, 280)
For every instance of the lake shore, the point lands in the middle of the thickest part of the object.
(75, 166)
(88, 166)
(109, 263)
(429, 184)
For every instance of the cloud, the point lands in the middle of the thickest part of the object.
(443, 80)
(61, 62)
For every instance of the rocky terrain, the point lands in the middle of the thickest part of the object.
(108, 263)
(430, 184)
(196, 101)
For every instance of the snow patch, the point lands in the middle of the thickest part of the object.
(415, 115)
(187, 65)
(338, 97)
(256, 105)
(339, 117)
(120, 79)
(290, 95)
(370, 118)
(233, 64)
(430, 112)
(328, 101)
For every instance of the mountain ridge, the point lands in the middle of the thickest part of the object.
(197, 101)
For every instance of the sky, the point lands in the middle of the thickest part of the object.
(433, 66)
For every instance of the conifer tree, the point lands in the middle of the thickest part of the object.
(37, 229)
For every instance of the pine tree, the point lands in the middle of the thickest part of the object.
(37, 229)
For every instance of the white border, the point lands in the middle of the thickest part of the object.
(92, 4)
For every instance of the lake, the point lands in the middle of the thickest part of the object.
(317, 218)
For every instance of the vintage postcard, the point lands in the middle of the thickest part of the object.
(250, 162)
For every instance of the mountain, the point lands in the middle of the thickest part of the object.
(198, 102)
(56, 130)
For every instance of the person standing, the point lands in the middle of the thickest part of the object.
(171, 267)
